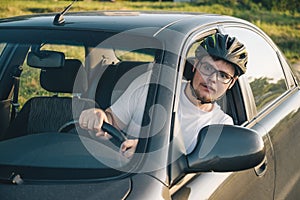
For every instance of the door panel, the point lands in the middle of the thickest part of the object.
(283, 126)
(278, 108)
(248, 184)
(237, 185)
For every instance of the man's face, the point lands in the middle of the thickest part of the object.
(212, 78)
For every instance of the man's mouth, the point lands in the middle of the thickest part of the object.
(208, 88)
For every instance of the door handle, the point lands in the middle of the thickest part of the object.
(261, 169)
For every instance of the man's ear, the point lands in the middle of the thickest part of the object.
(232, 82)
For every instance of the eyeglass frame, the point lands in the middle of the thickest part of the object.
(218, 72)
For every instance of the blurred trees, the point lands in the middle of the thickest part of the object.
(265, 90)
(278, 5)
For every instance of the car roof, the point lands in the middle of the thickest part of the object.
(116, 21)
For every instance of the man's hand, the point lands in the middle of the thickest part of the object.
(92, 120)
(128, 147)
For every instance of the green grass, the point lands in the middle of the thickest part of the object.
(282, 27)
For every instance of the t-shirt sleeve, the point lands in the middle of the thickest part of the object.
(220, 117)
(132, 100)
(227, 120)
(128, 102)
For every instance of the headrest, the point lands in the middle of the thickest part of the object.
(71, 78)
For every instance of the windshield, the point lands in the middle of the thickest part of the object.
(48, 78)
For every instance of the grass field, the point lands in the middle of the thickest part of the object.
(282, 27)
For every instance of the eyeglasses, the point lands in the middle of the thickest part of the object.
(208, 70)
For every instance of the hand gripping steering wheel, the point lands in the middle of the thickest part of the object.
(115, 133)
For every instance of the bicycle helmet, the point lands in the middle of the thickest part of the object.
(226, 48)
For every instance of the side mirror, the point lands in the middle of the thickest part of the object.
(224, 148)
(46, 59)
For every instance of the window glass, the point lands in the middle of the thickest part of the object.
(30, 84)
(193, 48)
(98, 158)
(145, 55)
(264, 71)
(30, 78)
(2, 46)
(70, 51)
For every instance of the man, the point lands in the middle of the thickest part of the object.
(220, 59)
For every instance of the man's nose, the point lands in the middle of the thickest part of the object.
(213, 77)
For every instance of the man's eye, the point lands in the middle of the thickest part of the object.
(224, 75)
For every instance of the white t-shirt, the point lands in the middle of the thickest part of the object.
(129, 108)
(192, 119)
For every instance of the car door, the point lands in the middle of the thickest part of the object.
(255, 183)
(276, 98)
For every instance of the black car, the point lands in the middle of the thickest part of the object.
(54, 66)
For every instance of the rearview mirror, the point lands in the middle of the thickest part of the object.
(46, 59)
(224, 148)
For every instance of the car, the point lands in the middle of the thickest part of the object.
(54, 66)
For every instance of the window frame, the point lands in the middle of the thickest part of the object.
(177, 177)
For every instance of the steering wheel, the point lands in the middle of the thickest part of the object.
(115, 133)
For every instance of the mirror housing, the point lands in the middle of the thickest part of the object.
(46, 59)
(225, 148)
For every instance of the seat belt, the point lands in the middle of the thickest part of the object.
(15, 104)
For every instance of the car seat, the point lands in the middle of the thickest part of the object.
(49, 113)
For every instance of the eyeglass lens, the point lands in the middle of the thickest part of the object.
(208, 70)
